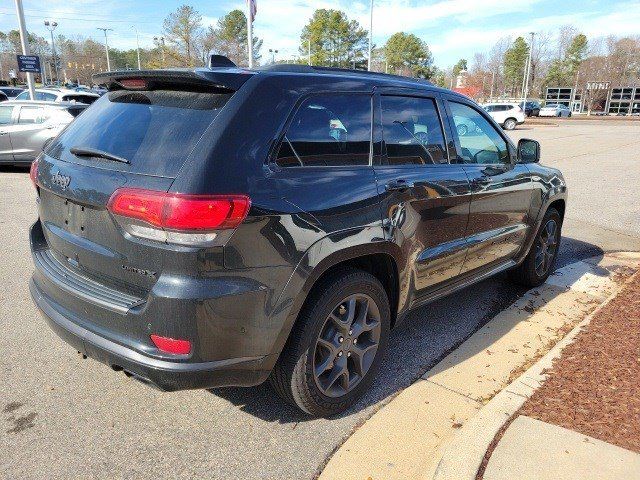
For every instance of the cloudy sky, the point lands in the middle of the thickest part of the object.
(453, 28)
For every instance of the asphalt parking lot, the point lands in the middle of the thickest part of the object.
(64, 417)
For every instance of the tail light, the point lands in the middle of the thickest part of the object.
(175, 217)
(171, 345)
(33, 173)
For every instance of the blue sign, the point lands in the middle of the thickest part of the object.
(29, 63)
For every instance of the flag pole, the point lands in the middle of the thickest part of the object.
(250, 33)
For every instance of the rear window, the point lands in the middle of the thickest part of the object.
(155, 130)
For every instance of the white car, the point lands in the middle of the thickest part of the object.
(60, 95)
(555, 110)
(506, 114)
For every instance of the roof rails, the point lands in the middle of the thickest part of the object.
(299, 68)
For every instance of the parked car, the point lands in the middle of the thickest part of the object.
(26, 126)
(509, 115)
(11, 92)
(532, 108)
(295, 264)
(60, 95)
(555, 110)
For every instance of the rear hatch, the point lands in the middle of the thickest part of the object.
(131, 138)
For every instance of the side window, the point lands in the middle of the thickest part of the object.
(328, 130)
(479, 142)
(31, 115)
(5, 115)
(23, 96)
(412, 131)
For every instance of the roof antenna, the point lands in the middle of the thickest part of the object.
(216, 61)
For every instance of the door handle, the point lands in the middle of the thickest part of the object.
(398, 185)
(481, 181)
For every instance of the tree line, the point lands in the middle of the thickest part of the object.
(331, 38)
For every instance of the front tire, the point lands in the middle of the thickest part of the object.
(540, 261)
(510, 124)
(336, 346)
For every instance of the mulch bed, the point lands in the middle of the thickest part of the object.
(594, 387)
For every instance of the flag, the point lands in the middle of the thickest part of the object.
(253, 9)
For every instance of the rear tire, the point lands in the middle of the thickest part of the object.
(540, 261)
(335, 338)
(509, 124)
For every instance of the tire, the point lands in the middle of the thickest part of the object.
(509, 124)
(295, 376)
(530, 273)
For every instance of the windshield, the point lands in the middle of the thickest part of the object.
(154, 130)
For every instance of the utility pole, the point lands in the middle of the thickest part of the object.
(137, 47)
(493, 80)
(51, 26)
(309, 48)
(161, 42)
(370, 37)
(24, 40)
(526, 78)
(106, 45)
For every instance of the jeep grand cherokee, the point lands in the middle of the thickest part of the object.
(221, 226)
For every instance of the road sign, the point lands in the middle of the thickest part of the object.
(29, 63)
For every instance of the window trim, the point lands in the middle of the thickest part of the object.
(492, 123)
(280, 138)
(440, 110)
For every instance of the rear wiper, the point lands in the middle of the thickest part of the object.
(91, 152)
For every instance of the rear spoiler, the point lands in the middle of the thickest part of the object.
(201, 79)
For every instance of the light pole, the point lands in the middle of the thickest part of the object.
(309, 48)
(51, 26)
(273, 55)
(137, 46)
(161, 42)
(106, 45)
(526, 78)
(370, 37)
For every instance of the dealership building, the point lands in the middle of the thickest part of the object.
(618, 100)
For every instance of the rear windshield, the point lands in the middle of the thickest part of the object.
(154, 130)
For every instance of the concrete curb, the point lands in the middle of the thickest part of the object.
(460, 458)
(410, 435)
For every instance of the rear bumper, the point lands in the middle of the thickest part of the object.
(163, 374)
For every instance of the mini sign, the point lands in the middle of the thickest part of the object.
(598, 85)
(29, 63)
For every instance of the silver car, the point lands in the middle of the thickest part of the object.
(27, 126)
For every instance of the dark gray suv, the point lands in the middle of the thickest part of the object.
(214, 227)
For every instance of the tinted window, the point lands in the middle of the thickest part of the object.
(5, 115)
(328, 130)
(154, 130)
(412, 131)
(88, 99)
(481, 143)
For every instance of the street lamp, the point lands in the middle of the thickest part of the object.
(273, 55)
(51, 26)
(137, 46)
(106, 45)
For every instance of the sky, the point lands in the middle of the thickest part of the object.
(453, 29)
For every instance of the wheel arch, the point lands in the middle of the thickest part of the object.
(380, 258)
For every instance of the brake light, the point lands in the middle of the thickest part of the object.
(133, 83)
(171, 345)
(176, 217)
(33, 173)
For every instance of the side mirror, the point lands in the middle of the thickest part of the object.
(528, 151)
